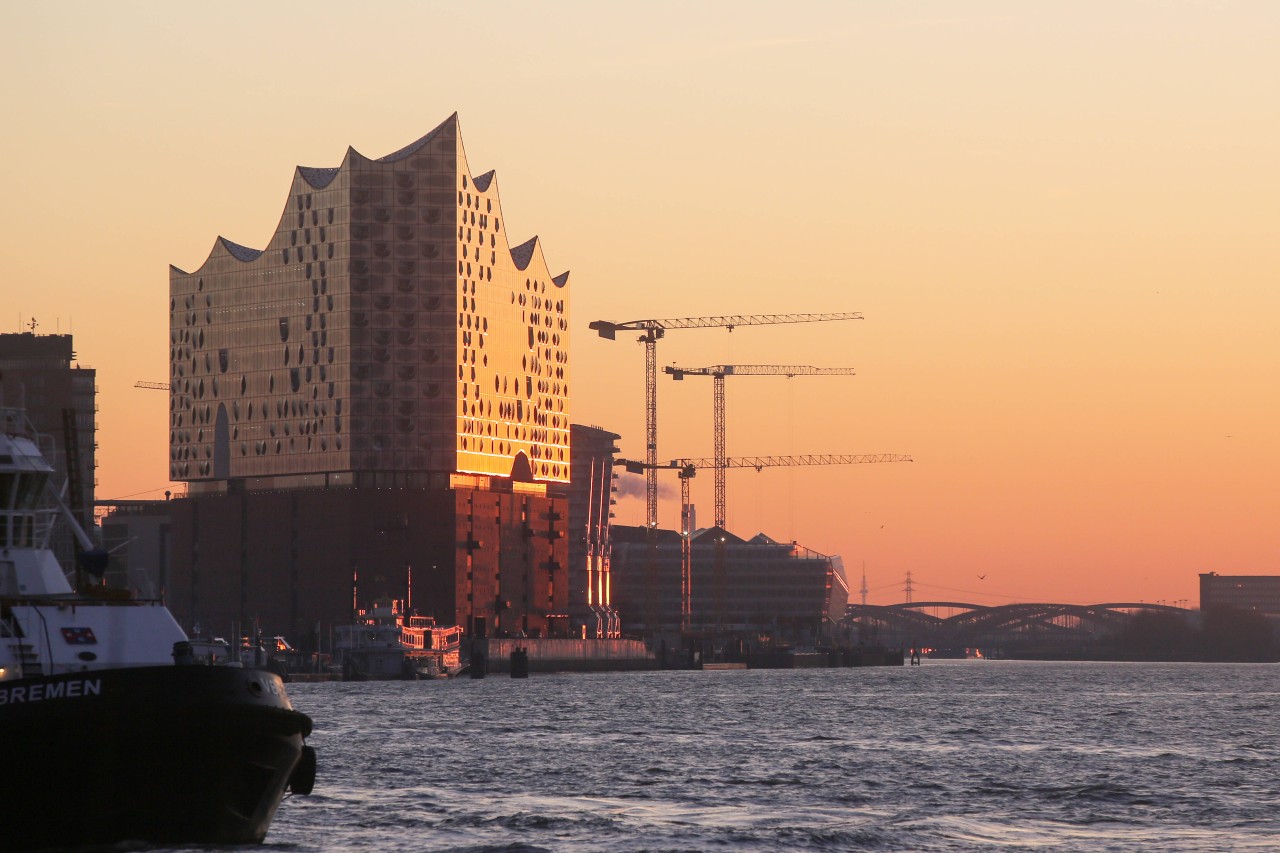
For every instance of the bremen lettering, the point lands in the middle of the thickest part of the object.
(57, 690)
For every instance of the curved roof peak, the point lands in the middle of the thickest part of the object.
(561, 280)
(240, 253)
(318, 178)
(523, 253)
(451, 123)
(482, 182)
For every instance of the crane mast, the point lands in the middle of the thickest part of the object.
(651, 332)
(718, 373)
(685, 473)
(651, 425)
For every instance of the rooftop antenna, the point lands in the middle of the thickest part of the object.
(33, 325)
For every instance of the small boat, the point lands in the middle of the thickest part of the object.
(273, 654)
(118, 727)
(385, 643)
(369, 648)
(431, 650)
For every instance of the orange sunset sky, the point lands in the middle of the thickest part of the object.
(1059, 219)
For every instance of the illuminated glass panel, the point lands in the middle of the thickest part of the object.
(387, 326)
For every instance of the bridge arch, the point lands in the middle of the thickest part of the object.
(1028, 628)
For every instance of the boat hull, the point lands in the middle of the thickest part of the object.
(163, 755)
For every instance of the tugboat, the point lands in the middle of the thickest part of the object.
(116, 727)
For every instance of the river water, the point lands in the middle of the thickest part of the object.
(952, 755)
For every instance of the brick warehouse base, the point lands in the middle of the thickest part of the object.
(490, 560)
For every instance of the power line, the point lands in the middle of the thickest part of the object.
(894, 584)
(134, 495)
(1018, 598)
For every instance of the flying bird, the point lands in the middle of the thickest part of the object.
(982, 577)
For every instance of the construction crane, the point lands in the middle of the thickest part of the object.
(651, 331)
(154, 386)
(762, 462)
(685, 473)
(718, 373)
(686, 469)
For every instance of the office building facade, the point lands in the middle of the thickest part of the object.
(749, 587)
(1256, 593)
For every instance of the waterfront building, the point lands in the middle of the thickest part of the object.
(39, 374)
(591, 504)
(1256, 593)
(137, 535)
(375, 403)
(738, 586)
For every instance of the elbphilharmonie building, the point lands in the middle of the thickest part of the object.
(373, 403)
(388, 330)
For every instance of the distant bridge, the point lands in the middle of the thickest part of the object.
(1013, 629)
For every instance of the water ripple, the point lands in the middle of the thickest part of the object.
(950, 756)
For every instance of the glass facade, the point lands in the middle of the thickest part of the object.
(388, 326)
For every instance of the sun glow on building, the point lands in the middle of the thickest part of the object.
(388, 331)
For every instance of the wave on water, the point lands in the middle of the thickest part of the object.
(952, 758)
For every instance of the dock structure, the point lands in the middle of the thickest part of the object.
(566, 655)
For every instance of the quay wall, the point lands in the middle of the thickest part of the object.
(567, 655)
